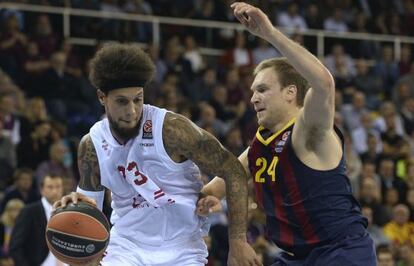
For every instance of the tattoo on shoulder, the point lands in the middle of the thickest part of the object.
(90, 178)
(181, 136)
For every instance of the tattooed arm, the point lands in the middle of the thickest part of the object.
(90, 177)
(89, 188)
(183, 139)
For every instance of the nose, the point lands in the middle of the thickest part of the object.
(254, 98)
(131, 111)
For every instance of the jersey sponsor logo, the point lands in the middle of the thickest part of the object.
(147, 130)
(146, 144)
(285, 135)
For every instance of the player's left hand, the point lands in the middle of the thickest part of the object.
(253, 18)
(242, 254)
(207, 205)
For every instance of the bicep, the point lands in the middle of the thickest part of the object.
(183, 137)
(318, 110)
(88, 165)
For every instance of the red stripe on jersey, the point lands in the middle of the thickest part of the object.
(285, 232)
(297, 201)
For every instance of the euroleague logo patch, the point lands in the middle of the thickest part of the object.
(147, 130)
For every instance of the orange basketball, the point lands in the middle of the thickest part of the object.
(78, 233)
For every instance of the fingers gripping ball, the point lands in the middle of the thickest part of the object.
(77, 233)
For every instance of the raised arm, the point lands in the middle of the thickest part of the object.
(183, 138)
(319, 102)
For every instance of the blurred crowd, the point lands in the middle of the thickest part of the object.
(47, 102)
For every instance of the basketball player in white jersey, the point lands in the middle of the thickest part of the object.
(151, 159)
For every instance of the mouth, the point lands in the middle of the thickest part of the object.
(258, 110)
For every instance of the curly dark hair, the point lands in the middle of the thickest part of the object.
(117, 66)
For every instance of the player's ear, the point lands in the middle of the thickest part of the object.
(101, 96)
(290, 93)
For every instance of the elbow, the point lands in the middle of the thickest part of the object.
(328, 81)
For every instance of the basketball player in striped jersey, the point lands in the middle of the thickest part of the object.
(297, 159)
(150, 159)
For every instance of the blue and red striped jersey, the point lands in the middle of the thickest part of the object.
(304, 207)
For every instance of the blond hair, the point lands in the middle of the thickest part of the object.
(6, 218)
(287, 75)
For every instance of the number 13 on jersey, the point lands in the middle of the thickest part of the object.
(271, 170)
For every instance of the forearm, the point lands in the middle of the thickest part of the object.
(302, 60)
(216, 188)
(237, 192)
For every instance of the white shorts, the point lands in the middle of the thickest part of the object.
(123, 251)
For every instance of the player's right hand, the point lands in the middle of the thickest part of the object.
(73, 197)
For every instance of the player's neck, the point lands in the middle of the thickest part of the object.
(283, 122)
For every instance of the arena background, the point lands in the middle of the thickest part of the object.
(204, 65)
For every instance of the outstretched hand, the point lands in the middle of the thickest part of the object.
(253, 18)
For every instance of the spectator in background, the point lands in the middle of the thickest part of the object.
(22, 188)
(373, 152)
(9, 117)
(192, 54)
(407, 115)
(219, 102)
(12, 46)
(385, 256)
(387, 69)
(388, 111)
(28, 242)
(202, 89)
(7, 223)
(400, 230)
(353, 112)
(35, 149)
(368, 83)
(239, 55)
(336, 22)
(73, 63)
(400, 93)
(370, 195)
(404, 65)
(34, 67)
(313, 17)
(410, 202)
(263, 51)
(389, 180)
(8, 160)
(46, 39)
(291, 20)
(57, 164)
(375, 231)
(209, 121)
(339, 63)
(234, 141)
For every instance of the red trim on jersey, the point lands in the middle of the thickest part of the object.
(295, 197)
(285, 232)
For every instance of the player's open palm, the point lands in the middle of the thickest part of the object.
(253, 18)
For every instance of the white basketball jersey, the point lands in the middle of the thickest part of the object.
(145, 157)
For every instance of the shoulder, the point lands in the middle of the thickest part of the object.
(86, 143)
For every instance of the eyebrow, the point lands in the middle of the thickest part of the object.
(260, 85)
(123, 96)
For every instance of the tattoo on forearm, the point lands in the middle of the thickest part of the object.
(182, 137)
(88, 166)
